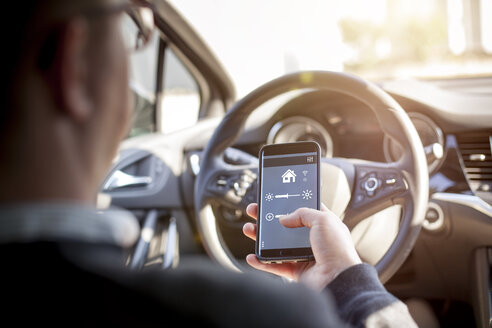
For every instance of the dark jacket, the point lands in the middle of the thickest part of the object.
(71, 281)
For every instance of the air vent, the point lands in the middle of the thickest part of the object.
(476, 151)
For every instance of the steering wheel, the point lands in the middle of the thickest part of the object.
(367, 187)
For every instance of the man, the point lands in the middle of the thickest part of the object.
(66, 106)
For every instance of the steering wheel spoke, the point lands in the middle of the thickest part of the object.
(234, 186)
(376, 187)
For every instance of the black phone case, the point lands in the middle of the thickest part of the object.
(283, 259)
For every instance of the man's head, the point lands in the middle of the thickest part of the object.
(65, 99)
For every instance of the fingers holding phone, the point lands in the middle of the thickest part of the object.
(330, 240)
(332, 244)
(249, 229)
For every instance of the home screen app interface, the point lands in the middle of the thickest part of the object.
(288, 183)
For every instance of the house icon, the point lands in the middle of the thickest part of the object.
(289, 176)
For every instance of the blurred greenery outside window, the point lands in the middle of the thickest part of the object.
(432, 38)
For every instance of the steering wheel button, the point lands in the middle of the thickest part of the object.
(221, 182)
(371, 184)
(390, 181)
(359, 198)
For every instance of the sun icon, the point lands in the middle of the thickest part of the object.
(269, 197)
(307, 194)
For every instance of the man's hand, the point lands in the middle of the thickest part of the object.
(331, 242)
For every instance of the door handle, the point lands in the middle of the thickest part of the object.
(120, 179)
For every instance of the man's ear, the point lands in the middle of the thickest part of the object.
(70, 69)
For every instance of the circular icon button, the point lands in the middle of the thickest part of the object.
(269, 216)
(371, 184)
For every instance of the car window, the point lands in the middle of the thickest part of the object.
(143, 72)
(377, 39)
(180, 103)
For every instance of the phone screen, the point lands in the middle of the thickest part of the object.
(289, 179)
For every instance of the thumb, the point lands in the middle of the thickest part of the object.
(302, 217)
(305, 217)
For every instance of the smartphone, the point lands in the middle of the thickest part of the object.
(289, 178)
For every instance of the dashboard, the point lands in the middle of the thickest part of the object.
(343, 126)
(455, 128)
(457, 142)
(352, 132)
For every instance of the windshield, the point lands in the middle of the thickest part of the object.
(259, 40)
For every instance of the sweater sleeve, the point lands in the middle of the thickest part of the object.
(362, 301)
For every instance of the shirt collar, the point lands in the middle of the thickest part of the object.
(55, 222)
